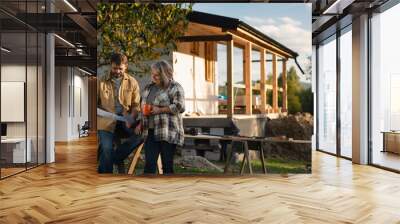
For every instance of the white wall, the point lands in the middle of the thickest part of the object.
(12, 73)
(33, 127)
(71, 93)
(61, 105)
(189, 70)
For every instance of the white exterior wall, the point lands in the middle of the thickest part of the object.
(189, 70)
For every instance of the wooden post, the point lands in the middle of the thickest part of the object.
(262, 81)
(229, 72)
(284, 87)
(248, 77)
(274, 85)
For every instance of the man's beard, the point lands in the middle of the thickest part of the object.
(116, 74)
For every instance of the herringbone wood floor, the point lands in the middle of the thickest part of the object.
(70, 191)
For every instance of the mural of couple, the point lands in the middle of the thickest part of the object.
(204, 88)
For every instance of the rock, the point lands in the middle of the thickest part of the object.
(298, 127)
(197, 162)
(188, 152)
(212, 155)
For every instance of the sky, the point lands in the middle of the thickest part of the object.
(289, 24)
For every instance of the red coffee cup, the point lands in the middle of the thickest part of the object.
(146, 109)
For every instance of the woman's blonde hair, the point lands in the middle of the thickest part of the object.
(164, 69)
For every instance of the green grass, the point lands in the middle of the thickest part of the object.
(274, 166)
(278, 166)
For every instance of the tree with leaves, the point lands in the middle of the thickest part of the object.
(298, 98)
(293, 90)
(142, 32)
(307, 100)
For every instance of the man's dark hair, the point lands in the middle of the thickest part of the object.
(119, 59)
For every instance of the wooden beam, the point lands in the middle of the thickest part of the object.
(229, 72)
(257, 41)
(262, 82)
(226, 37)
(270, 46)
(269, 60)
(240, 41)
(284, 87)
(248, 77)
(274, 85)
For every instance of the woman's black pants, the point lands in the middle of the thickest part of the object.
(153, 149)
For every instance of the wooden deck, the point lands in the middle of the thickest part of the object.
(71, 191)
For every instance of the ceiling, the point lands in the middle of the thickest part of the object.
(332, 15)
(75, 20)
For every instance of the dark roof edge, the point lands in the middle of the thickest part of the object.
(232, 23)
(213, 20)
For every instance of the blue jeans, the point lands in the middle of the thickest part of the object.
(108, 156)
(153, 149)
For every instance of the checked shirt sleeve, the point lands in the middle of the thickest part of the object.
(178, 100)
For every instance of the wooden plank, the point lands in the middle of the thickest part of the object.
(240, 33)
(135, 159)
(238, 138)
(257, 87)
(247, 155)
(248, 78)
(197, 38)
(197, 29)
(269, 60)
(240, 86)
(229, 72)
(274, 84)
(159, 165)
(229, 154)
(262, 158)
(262, 81)
(242, 165)
(284, 87)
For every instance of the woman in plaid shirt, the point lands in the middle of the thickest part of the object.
(162, 128)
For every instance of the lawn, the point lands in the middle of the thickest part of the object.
(274, 165)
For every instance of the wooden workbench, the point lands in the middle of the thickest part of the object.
(244, 141)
